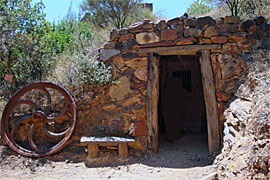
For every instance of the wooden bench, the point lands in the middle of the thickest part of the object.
(93, 144)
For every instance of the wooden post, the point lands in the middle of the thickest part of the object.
(123, 150)
(92, 151)
(210, 102)
(152, 102)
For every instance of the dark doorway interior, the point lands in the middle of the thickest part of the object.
(181, 101)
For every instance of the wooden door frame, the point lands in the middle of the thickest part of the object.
(208, 91)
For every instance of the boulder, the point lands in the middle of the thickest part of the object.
(230, 48)
(233, 38)
(187, 41)
(141, 26)
(126, 37)
(193, 32)
(191, 22)
(205, 41)
(141, 73)
(106, 54)
(259, 20)
(168, 34)
(109, 45)
(222, 97)
(244, 44)
(205, 22)
(219, 39)
(118, 46)
(130, 55)
(263, 27)
(118, 62)
(130, 101)
(232, 19)
(174, 21)
(147, 38)
(253, 36)
(161, 25)
(248, 25)
(114, 35)
(134, 64)
(123, 31)
(121, 89)
(223, 28)
(129, 44)
(228, 70)
(211, 31)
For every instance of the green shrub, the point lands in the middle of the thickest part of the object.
(81, 70)
(25, 53)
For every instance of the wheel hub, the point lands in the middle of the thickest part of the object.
(39, 117)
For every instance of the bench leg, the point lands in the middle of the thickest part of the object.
(123, 150)
(92, 150)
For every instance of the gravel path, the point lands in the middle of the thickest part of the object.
(185, 159)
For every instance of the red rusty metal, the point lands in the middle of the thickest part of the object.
(38, 118)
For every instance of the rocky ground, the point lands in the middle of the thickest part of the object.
(246, 152)
(185, 159)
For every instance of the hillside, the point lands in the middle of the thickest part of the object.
(246, 149)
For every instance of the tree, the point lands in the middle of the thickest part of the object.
(25, 53)
(115, 13)
(245, 7)
(235, 6)
(199, 7)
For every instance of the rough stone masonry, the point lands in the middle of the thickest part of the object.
(120, 109)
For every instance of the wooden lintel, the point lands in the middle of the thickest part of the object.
(180, 50)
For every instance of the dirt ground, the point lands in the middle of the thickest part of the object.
(185, 159)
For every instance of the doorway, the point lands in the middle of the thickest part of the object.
(181, 108)
(209, 92)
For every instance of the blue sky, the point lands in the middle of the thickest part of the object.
(57, 9)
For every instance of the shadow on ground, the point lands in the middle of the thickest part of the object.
(187, 152)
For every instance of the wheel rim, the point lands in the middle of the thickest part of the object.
(39, 119)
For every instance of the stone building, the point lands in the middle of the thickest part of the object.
(176, 75)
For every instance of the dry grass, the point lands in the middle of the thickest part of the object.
(2, 105)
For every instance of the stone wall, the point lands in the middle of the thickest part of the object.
(120, 109)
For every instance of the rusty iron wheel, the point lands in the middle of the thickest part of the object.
(39, 119)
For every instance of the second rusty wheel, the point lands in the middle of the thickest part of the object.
(39, 119)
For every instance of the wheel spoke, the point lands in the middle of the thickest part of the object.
(30, 103)
(21, 120)
(53, 134)
(62, 112)
(30, 139)
(24, 118)
(49, 99)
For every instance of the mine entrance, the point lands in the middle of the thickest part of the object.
(181, 108)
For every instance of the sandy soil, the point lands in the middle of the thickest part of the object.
(185, 159)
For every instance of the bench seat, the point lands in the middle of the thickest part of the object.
(93, 143)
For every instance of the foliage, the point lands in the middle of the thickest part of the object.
(199, 7)
(69, 35)
(116, 13)
(80, 70)
(256, 8)
(76, 44)
(245, 7)
(30, 47)
(25, 51)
